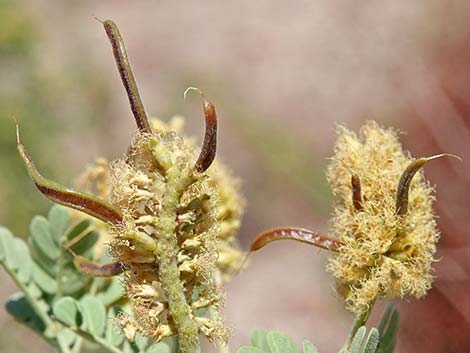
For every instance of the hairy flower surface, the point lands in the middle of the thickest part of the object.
(383, 233)
(96, 179)
(385, 253)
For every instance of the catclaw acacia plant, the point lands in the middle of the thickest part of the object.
(168, 215)
(384, 232)
(165, 213)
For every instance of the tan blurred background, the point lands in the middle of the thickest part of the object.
(281, 74)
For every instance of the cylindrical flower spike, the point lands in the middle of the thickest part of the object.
(165, 224)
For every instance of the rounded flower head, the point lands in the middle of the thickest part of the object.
(389, 236)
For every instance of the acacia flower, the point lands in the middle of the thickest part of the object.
(166, 212)
(383, 231)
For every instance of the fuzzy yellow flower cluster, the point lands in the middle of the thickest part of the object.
(386, 253)
(170, 218)
(207, 218)
(96, 179)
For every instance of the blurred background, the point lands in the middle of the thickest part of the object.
(282, 75)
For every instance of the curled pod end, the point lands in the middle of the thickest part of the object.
(405, 181)
(209, 145)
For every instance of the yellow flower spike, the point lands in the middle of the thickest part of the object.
(391, 238)
(383, 233)
(161, 206)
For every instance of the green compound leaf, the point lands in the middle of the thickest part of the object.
(66, 311)
(59, 218)
(94, 315)
(358, 339)
(42, 239)
(279, 342)
(372, 341)
(258, 339)
(308, 347)
(50, 280)
(250, 349)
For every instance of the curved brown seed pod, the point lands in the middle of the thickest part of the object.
(209, 145)
(89, 268)
(405, 181)
(356, 192)
(55, 192)
(127, 77)
(297, 234)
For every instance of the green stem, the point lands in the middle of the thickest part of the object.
(166, 252)
(360, 320)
